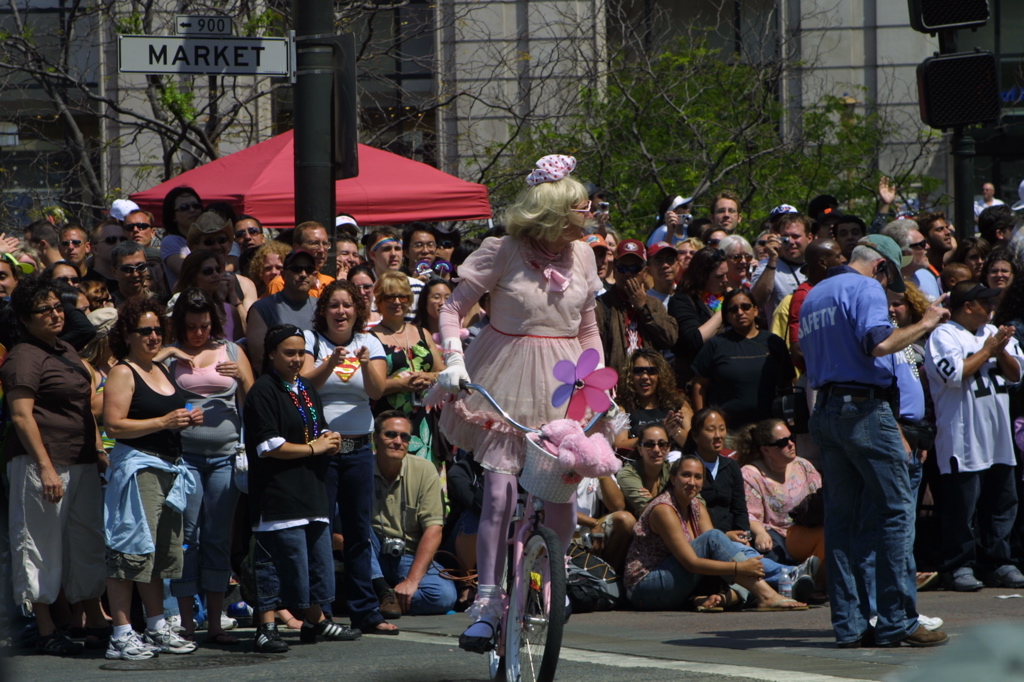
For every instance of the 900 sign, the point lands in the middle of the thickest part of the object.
(190, 25)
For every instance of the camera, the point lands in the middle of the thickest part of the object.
(602, 206)
(393, 547)
(785, 240)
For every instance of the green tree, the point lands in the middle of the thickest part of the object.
(690, 119)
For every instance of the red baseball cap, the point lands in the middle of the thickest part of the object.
(631, 247)
(657, 248)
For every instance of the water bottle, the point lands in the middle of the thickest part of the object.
(786, 582)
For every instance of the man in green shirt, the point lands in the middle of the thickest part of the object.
(408, 515)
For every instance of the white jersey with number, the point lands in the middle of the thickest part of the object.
(972, 413)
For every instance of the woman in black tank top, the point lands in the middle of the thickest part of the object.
(144, 411)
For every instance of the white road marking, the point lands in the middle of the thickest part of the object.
(624, 661)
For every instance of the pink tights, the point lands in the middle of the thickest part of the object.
(495, 515)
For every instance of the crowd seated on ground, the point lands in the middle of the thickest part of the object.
(717, 498)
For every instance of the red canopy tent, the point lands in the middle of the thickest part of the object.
(390, 188)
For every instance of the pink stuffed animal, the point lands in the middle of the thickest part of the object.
(584, 456)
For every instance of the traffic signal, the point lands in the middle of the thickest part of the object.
(931, 16)
(958, 89)
(344, 109)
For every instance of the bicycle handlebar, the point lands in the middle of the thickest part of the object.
(465, 386)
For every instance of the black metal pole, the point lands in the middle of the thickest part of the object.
(314, 175)
(963, 183)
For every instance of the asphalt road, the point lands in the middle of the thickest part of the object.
(623, 645)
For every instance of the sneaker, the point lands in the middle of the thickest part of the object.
(227, 622)
(268, 640)
(1005, 576)
(57, 644)
(389, 606)
(168, 642)
(808, 568)
(803, 579)
(927, 622)
(328, 630)
(130, 648)
(962, 580)
(921, 637)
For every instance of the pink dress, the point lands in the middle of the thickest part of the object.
(532, 326)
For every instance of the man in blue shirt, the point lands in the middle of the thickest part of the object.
(848, 342)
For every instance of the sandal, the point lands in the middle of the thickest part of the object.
(57, 644)
(376, 628)
(479, 645)
(221, 638)
(700, 604)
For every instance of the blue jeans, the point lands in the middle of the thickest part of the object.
(436, 595)
(869, 506)
(915, 471)
(349, 484)
(294, 567)
(668, 585)
(207, 526)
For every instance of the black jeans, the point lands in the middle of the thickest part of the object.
(986, 500)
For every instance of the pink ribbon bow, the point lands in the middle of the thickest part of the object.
(551, 168)
(558, 278)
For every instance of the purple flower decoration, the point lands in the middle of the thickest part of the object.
(583, 385)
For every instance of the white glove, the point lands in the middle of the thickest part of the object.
(452, 378)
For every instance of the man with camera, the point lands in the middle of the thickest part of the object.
(781, 273)
(408, 516)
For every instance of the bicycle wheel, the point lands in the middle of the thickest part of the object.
(536, 611)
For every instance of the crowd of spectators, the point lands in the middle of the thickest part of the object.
(203, 407)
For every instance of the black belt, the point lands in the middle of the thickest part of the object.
(352, 444)
(858, 393)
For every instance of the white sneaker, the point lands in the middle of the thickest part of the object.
(227, 622)
(130, 648)
(168, 642)
(927, 622)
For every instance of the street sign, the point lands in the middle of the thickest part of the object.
(192, 25)
(212, 56)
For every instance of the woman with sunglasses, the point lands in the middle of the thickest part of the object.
(204, 270)
(289, 447)
(542, 281)
(348, 367)
(213, 232)
(647, 392)
(675, 547)
(645, 477)
(740, 257)
(182, 206)
(53, 452)
(145, 412)
(413, 361)
(697, 307)
(363, 278)
(741, 369)
(776, 480)
(215, 375)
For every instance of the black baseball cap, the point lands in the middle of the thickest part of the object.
(965, 292)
